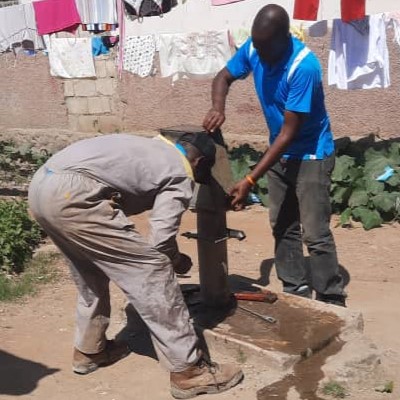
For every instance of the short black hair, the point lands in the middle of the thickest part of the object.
(274, 18)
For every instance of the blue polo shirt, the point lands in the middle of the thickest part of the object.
(294, 84)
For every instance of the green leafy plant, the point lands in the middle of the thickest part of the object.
(19, 235)
(334, 389)
(37, 271)
(356, 194)
(243, 159)
(18, 163)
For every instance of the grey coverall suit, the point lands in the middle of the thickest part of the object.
(81, 197)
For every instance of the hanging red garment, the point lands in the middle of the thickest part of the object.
(306, 9)
(352, 10)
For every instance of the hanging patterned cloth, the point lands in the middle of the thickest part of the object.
(139, 52)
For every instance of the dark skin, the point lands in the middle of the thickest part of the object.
(270, 35)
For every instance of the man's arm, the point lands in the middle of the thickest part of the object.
(169, 205)
(220, 88)
(290, 128)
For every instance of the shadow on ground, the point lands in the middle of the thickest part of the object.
(19, 376)
(240, 282)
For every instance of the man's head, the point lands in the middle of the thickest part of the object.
(200, 151)
(270, 33)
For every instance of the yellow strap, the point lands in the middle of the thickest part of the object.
(185, 161)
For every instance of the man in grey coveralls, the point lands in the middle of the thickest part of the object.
(81, 197)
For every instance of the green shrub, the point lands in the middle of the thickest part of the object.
(37, 271)
(19, 235)
(355, 194)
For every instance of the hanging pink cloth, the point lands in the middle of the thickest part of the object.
(56, 16)
(306, 10)
(223, 2)
(352, 10)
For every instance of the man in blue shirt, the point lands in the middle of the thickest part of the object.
(300, 159)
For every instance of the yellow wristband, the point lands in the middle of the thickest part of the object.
(251, 180)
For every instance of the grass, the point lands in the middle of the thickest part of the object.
(334, 389)
(38, 271)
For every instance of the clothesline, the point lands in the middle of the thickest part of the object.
(358, 56)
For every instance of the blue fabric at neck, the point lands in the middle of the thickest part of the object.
(181, 149)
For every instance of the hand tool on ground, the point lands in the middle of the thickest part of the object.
(265, 318)
(266, 296)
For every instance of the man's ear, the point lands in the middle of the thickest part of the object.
(197, 161)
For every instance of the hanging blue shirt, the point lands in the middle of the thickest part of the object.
(294, 84)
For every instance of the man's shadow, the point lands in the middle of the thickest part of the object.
(240, 282)
(19, 376)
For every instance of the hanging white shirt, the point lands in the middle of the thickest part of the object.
(17, 23)
(198, 54)
(70, 57)
(359, 60)
(97, 11)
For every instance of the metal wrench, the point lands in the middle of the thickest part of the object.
(265, 318)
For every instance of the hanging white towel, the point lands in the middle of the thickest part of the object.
(359, 60)
(17, 23)
(194, 54)
(71, 57)
(139, 54)
(97, 11)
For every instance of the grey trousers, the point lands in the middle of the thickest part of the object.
(78, 214)
(300, 210)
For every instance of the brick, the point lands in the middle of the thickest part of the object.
(105, 87)
(85, 88)
(109, 124)
(73, 122)
(88, 123)
(99, 105)
(111, 68)
(69, 88)
(101, 68)
(77, 105)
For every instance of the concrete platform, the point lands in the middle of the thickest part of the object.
(303, 328)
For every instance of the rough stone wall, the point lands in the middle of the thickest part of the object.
(92, 104)
(29, 96)
(31, 99)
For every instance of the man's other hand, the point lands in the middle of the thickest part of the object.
(183, 264)
(239, 194)
(213, 120)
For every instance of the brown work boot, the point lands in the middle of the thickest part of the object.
(204, 378)
(86, 363)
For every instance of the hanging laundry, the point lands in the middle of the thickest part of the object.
(98, 46)
(98, 11)
(306, 10)
(352, 10)
(194, 54)
(148, 8)
(56, 16)
(70, 57)
(318, 29)
(139, 52)
(98, 28)
(356, 60)
(394, 18)
(18, 26)
(223, 2)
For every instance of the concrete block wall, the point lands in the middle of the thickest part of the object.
(92, 104)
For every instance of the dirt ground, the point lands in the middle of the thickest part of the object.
(36, 335)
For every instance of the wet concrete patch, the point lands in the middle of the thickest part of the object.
(305, 377)
(298, 330)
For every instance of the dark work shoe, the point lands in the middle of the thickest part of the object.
(335, 299)
(84, 364)
(204, 378)
(302, 291)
